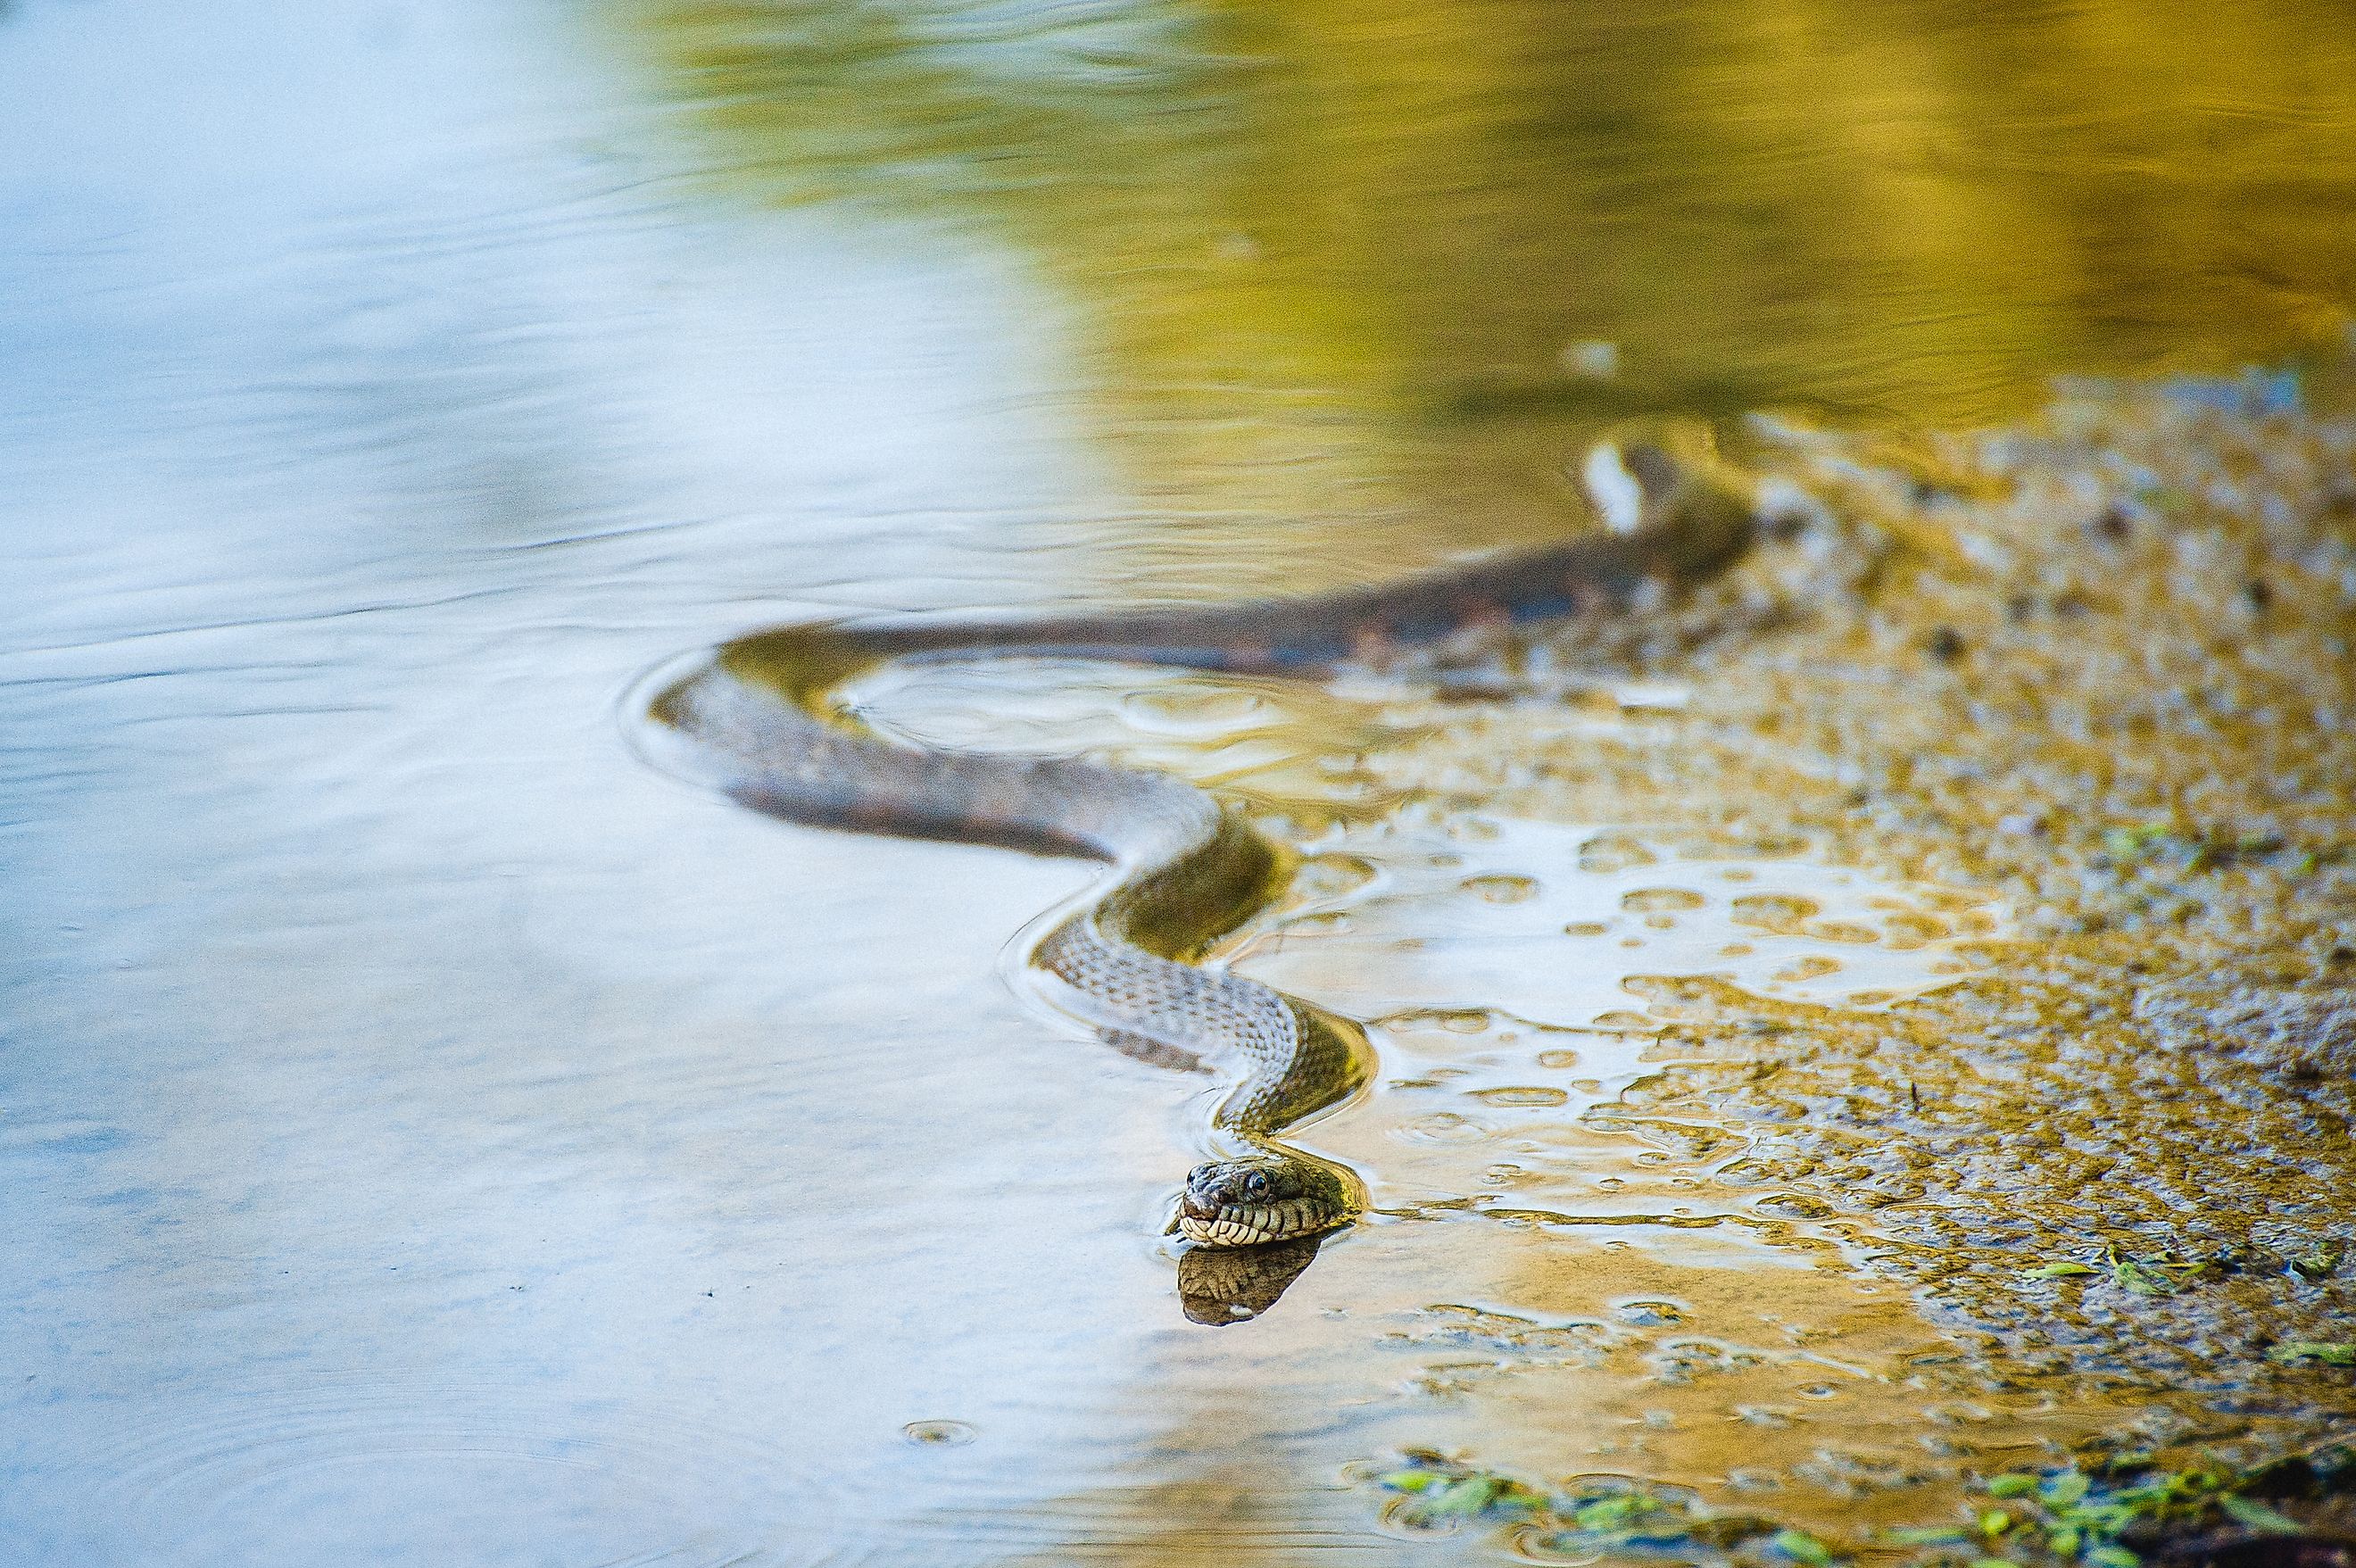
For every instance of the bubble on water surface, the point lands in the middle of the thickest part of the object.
(1191, 705)
(1333, 876)
(1913, 930)
(940, 1433)
(1811, 968)
(1521, 1094)
(1796, 1206)
(1444, 1127)
(1414, 945)
(1648, 1314)
(1452, 1021)
(1609, 853)
(1774, 912)
(1501, 889)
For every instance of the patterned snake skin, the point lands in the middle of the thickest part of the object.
(757, 721)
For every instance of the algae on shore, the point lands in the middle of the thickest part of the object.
(2099, 665)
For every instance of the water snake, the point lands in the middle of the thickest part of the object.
(756, 720)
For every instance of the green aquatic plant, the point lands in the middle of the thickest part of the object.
(2065, 1268)
(2170, 1271)
(1801, 1547)
(2254, 1515)
(1590, 1514)
(2065, 1517)
(2102, 1517)
(2164, 1274)
(2319, 1262)
(2062, 1515)
(1435, 1497)
(2331, 1354)
(2187, 849)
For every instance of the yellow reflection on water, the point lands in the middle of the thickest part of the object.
(1392, 261)
(1384, 256)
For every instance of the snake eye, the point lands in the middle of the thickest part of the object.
(1255, 1184)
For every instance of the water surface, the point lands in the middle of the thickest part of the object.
(433, 1136)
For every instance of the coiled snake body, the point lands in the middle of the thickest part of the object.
(756, 720)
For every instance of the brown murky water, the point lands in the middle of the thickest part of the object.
(433, 1137)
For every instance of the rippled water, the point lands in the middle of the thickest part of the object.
(431, 1136)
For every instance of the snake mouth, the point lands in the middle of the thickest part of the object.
(1253, 1224)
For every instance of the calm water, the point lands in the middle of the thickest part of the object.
(431, 1136)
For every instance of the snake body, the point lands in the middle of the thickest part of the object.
(757, 720)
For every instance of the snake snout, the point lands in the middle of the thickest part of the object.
(1258, 1199)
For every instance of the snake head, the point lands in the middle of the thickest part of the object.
(1262, 1197)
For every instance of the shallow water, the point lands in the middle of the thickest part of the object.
(433, 1136)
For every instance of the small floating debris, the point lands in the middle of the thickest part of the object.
(940, 1433)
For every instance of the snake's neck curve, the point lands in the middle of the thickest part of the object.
(758, 720)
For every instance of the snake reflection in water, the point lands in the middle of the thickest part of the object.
(756, 720)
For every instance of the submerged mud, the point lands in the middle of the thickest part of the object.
(1871, 1034)
(2097, 667)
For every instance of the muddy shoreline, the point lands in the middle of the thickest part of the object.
(2098, 664)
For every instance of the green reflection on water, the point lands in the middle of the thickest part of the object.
(1347, 251)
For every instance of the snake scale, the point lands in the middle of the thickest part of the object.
(758, 719)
